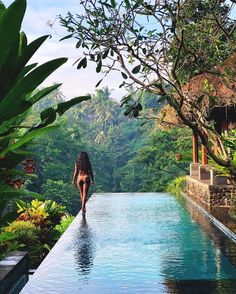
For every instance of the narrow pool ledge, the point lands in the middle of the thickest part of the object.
(53, 260)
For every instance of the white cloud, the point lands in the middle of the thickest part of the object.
(75, 82)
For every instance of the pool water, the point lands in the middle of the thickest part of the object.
(138, 243)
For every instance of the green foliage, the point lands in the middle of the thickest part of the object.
(66, 220)
(41, 213)
(229, 139)
(35, 229)
(126, 154)
(28, 236)
(203, 48)
(8, 243)
(25, 231)
(18, 83)
(176, 186)
(194, 35)
(100, 128)
(154, 164)
(63, 193)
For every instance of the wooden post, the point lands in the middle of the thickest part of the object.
(195, 148)
(204, 156)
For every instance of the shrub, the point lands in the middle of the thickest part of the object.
(26, 232)
(8, 243)
(64, 224)
(176, 186)
(41, 213)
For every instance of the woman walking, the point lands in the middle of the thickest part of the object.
(83, 174)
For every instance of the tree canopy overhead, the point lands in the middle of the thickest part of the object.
(160, 46)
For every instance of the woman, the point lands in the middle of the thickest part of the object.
(82, 176)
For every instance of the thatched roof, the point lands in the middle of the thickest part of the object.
(216, 91)
(221, 86)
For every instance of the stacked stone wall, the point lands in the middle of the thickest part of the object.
(210, 195)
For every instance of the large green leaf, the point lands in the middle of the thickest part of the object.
(49, 115)
(27, 85)
(26, 138)
(64, 106)
(2, 8)
(23, 43)
(26, 105)
(8, 192)
(17, 172)
(7, 236)
(8, 217)
(11, 160)
(25, 70)
(15, 193)
(31, 49)
(42, 93)
(10, 24)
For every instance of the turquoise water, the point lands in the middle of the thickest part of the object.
(139, 243)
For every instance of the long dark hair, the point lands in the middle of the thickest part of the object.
(83, 163)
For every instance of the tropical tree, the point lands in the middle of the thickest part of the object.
(159, 46)
(18, 83)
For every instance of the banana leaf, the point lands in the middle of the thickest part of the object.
(64, 106)
(11, 193)
(10, 24)
(2, 8)
(8, 217)
(16, 172)
(26, 138)
(7, 236)
(28, 84)
(49, 115)
(11, 160)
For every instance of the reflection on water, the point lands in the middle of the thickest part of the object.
(223, 244)
(84, 248)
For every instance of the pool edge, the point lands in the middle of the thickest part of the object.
(215, 221)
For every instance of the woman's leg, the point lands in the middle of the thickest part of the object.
(85, 192)
(80, 188)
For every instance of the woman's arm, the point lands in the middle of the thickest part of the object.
(75, 175)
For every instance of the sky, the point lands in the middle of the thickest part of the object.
(75, 82)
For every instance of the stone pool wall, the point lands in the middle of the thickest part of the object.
(210, 195)
(13, 272)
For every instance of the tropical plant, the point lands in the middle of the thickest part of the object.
(154, 164)
(41, 213)
(8, 243)
(26, 231)
(66, 220)
(63, 193)
(229, 138)
(177, 185)
(159, 46)
(18, 82)
(28, 238)
(35, 229)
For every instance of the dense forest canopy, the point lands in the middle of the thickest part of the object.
(127, 154)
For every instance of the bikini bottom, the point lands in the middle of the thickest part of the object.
(85, 181)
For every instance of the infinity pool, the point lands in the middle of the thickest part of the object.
(138, 243)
